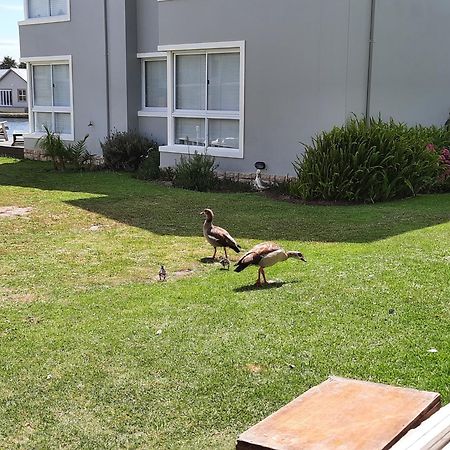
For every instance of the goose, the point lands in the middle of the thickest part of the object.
(258, 183)
(216, 236)
(264, 255)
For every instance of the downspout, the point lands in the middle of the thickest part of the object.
(105, 12)
(370, 62)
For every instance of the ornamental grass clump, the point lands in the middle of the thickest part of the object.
(196, 172)
(369, 162)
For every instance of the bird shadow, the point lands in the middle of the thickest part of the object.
(269, 285)
(208, 260)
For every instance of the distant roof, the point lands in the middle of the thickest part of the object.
(22, 73)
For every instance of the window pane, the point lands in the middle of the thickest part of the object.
(41, 119)
(63, 123)
(223, 78)
(58, 7)
(223, 133)
(38, 8)
(61, 85)
(155, 84)
(190, 131)
(42, 86)
(190, 82)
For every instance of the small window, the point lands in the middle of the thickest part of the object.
(5, 97)
(47, 8)
(21, 95)
(156, 84)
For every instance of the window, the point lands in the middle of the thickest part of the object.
(21, 95)
(206, 99)
(154, 85)
(47, 8)
(51, 103)
(5, 97)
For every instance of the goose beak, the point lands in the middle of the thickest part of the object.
(203, 213)
(303, 259)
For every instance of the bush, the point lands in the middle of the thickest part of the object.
(78, 156)
(53, 148)
(362, 162)
(196, 172)
(149, 168)
(126, 150)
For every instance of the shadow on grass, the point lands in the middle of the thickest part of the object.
(263, 287)
(169, 211)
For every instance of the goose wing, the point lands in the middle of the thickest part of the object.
(254, 256)
(222, 237)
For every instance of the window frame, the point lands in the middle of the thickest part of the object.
(47, 19)
(173, 113)
(49, 61)
(22, 95)
(149, 111)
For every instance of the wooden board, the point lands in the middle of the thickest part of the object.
(342, 414)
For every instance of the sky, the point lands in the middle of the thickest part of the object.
(11, 11)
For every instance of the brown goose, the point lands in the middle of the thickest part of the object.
(216, 236)
(264, 255)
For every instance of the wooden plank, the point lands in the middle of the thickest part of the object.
(342, 414)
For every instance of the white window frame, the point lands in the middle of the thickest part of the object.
(6, 97)
(203, 48)
(146, 111)
(49, 19)
(22, 92)
(45, 61)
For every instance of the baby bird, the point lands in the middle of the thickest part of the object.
(264, 255)
(225, 263)
(162, 274)
(216, 236)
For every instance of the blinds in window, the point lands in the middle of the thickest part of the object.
(155, 84)
(223, 81)
(42, 86)
(58, 7)
(38, 8)
(61, 85)
(190, 82)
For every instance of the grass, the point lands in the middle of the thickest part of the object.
(94, 353)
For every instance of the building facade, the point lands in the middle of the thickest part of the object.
(244, 80)
(13, 90)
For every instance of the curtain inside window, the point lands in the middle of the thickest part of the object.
(63, 124)
(155, 84)
(38, 8)
(61, 85)
(42, 86)
(223, 78)
(190, 82)
(58, 7)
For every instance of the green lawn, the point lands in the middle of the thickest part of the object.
(94, 353)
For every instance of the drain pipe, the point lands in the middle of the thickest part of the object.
(370, 62)
(105, 13)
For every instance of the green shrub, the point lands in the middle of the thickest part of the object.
(149, 168)
(54, 148)
(78, 156)
(126, 150)
(196, 172)
(362, 162)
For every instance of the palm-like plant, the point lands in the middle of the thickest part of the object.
(54, 148)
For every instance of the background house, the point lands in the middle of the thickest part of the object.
(245, 79)
(13, 90)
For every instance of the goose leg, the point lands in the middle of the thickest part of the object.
(264, 275)
(226, 256)
(215, 251)
(258, 281)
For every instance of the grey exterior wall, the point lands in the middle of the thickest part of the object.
(306, 66)
(12, 81)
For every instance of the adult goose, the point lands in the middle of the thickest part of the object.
(216, 236)
(264, 255)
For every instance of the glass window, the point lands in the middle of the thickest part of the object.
(63, 123)
(47, 8)
(61, 85)
(42, 120)
(190, 131)
(223, 81)
(22, 95)
(223, 133)
(156, 84)
(42, 85)
(190, 82)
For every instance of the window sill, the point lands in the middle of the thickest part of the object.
(43, 20)
(212, 151)
(154, 112)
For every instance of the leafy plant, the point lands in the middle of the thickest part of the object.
(54, 148)
(196, 172)
(149, 168)
(126, 150)
(368, 162)
(78, 155)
